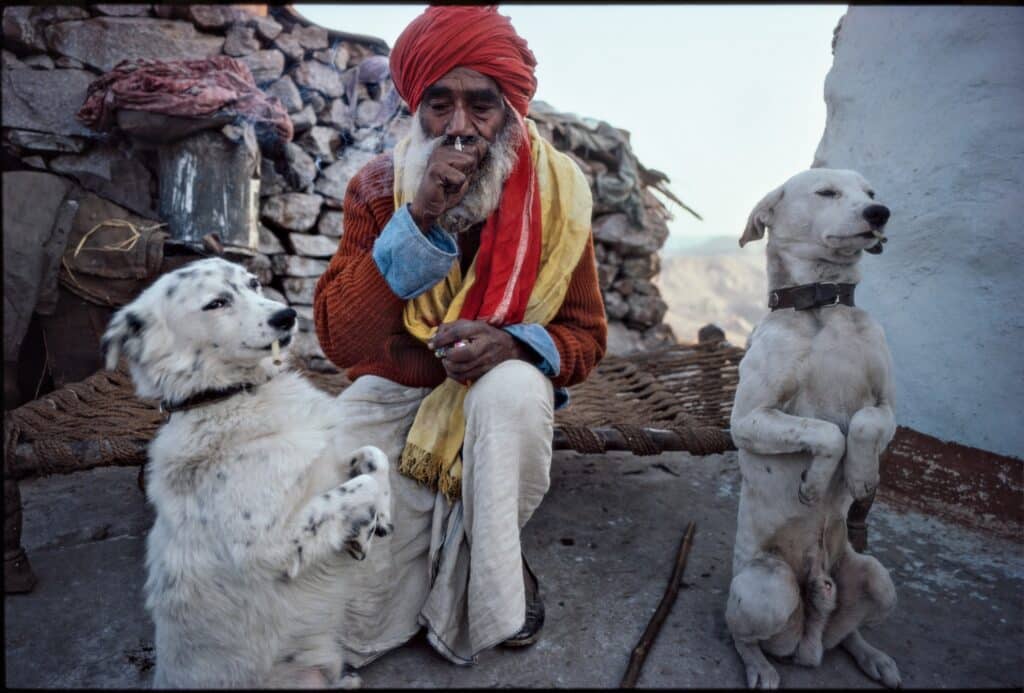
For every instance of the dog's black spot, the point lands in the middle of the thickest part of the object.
(295, 541)
(313, 525)
(216, 346)
(202, 521)
(342, 490)
(768, 469)
(288, 659)
(170, 290)
(246, 515)
(371, 466)
(134, 323)
(220, 475)
(234, 287)
(186, 274)
(327, 496)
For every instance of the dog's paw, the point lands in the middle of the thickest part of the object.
(809, 652)
(368, 460)
(350, 681)
(880, 667)
(862, 487)
(763, 677)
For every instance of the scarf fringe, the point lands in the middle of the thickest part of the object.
(419, 464)
(425, 467)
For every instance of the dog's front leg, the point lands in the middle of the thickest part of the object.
(343, 518)
(372, 461)
(871, 429)
(768, 431)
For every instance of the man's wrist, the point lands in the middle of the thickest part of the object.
(423, 222)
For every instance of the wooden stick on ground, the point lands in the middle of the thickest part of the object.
(636, 660)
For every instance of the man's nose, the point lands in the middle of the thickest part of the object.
(460, 124)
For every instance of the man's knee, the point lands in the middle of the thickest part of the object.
(512, 389)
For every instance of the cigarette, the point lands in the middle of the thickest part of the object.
(275, 349)
(458, 144)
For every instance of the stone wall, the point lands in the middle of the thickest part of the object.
(928, 103)
(337, 90)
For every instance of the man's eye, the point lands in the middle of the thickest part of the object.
(215, 304)
(828, 193)
(254, 284)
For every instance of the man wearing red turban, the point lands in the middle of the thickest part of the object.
(463, 300)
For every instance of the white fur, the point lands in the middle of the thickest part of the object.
(812, 413)
(257, 510)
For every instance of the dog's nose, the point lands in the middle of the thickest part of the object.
(876, 215)
(282, 319)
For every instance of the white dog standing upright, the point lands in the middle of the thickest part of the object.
(812, 414)
(258, 509)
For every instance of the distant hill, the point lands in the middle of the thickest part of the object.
(713, 281)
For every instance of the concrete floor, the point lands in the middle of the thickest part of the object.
(602, 544)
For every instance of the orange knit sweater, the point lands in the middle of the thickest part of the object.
(359, 319)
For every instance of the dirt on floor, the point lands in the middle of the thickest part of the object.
(602, 544)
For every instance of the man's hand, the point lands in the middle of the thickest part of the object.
(483, 347)
(444, 183)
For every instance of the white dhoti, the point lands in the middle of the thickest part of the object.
(455, 569)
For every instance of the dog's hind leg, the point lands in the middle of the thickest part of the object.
(871, 429)
(763, 597)
(866, 596)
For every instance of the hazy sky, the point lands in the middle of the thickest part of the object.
(727, 100)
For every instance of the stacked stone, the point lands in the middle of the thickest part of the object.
(629, 224)
(338, 92)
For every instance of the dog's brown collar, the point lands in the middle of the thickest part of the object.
(205, 397)
(808, 296)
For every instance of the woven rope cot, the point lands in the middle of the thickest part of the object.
(673, 399)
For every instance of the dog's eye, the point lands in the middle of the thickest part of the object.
(828, 193)
(871, 194)
(215, 304)
(254, 284)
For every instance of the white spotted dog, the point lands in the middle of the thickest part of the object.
(812, 414)
(259, 514)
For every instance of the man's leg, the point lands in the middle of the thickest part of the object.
(506, 465)
(388, 588)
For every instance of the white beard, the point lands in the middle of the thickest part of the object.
(485, 184)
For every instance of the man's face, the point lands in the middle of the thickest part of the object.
(469, 105)
(466, 104)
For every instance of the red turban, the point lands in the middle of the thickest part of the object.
(477, 37)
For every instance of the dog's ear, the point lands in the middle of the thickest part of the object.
(122, 336)
(761, 217)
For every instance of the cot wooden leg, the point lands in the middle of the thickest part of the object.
(18, 575)
(856, 523)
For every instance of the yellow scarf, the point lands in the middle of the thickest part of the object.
(432, 449)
